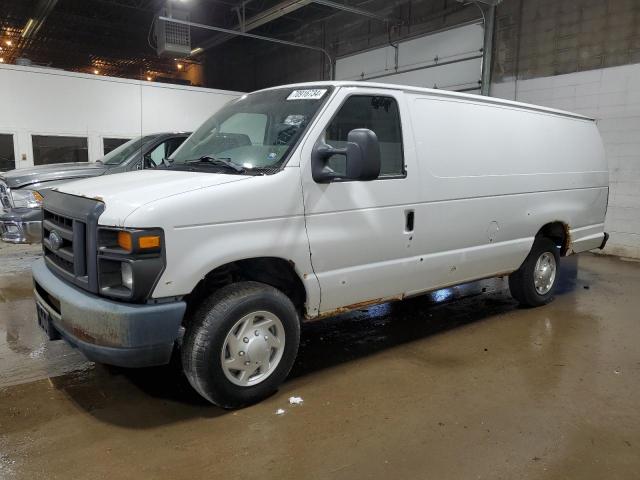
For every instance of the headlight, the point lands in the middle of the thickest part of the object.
(130, 262)
(126, 273)
(26, 198)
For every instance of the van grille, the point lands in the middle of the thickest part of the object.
(69, 230)
(63, 240)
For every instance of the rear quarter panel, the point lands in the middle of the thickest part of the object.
(493, 175)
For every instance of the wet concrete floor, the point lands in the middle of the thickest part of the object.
(458, 384)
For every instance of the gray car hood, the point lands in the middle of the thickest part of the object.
(46, 173)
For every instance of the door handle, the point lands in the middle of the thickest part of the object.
(409, 220)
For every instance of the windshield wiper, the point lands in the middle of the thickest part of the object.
(218, 161)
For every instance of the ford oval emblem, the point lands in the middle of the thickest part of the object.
(55, 240)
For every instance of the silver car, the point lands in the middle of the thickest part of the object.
(21, 190)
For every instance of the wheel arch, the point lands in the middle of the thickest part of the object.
(559, 232)
(278, 272)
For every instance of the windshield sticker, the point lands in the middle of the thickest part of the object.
(295, 120)
(308, 94)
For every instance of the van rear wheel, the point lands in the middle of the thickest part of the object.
(241, 344)
(533, 284)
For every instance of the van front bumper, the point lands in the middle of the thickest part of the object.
(105, 331)
(21, 225)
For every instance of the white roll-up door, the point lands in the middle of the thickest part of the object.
(450, 60)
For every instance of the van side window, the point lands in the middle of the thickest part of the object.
(377, 113)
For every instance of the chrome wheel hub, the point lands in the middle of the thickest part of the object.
(253, 348)
(544, 273)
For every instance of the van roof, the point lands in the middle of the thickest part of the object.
(436, 92)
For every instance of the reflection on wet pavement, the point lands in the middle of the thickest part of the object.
(460, 383)
(25, 353)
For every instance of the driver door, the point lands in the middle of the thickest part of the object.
(361, 233)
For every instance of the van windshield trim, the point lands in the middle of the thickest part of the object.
(186, 152)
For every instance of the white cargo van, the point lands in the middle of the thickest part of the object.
(308, 200)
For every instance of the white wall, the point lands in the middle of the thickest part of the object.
(612, 96)
(41, 101)
(424, 61)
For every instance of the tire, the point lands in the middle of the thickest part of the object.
(522, 282)
(241, 323)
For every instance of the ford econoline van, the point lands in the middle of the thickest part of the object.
(308, 200)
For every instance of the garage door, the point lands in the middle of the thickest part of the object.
(450, 60)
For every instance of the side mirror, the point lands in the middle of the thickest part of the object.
(362, 154)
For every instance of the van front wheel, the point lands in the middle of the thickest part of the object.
(241, 344)
(534, 282)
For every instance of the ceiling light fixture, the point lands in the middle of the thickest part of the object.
(9, 42)
(196, 50)
(26, 28)
(180, 66)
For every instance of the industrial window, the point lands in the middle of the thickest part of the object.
(7, 155)
(109, 144)
(49, 149)
(379, 114)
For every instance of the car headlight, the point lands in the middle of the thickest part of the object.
(26, 198)
(126, 275)
(130, 262)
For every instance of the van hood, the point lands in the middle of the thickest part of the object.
(22, 177)
(125, 192)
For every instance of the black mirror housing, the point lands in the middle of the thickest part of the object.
(363, 155)
(363, 158)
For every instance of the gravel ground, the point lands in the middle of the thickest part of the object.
(17, 258)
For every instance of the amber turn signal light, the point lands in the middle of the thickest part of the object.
(144, 242)
(149, 241)
(124, 241)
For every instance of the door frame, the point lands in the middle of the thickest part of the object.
(343, 285)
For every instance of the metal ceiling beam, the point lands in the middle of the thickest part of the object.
(288, 6)
(256, 37)
(269, 15)
(491, 3)
(357, 11)
(141, 5)
(274, 13)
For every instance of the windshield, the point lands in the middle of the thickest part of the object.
(255, 132)
(124, 151)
